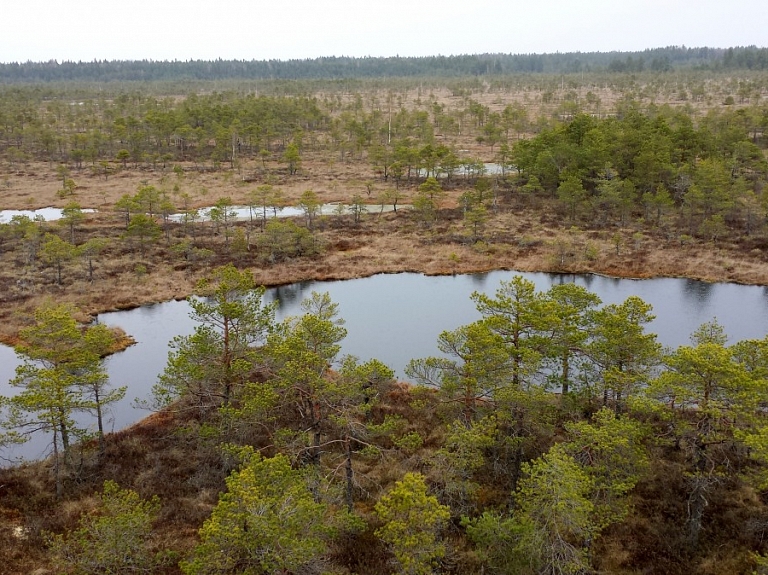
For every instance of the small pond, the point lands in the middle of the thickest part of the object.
(398, 317)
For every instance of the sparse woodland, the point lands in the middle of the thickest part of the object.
(554, 435)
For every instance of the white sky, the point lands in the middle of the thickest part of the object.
(41, 30)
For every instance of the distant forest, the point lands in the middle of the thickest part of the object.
(656, 60)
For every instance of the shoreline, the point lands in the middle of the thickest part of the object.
(518, 238)
(125, 340)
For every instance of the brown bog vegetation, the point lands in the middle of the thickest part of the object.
(662, 466)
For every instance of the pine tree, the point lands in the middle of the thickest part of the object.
(412, 523)
(116, 539)
(266, 522)
(62, 374)
(213, 363)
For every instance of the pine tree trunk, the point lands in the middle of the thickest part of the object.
(349, 476)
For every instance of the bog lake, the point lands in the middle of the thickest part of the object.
(398, 317)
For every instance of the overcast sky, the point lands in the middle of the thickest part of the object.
(41, 30)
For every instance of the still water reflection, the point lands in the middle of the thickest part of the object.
(47, 214)
(397, 317)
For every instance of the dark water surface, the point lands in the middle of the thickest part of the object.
(398, 317)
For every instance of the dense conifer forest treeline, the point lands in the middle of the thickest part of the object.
(656, 60)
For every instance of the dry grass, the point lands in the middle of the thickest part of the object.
(517, 237)
(35, 184)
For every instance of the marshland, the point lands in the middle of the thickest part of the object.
(624, 170)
